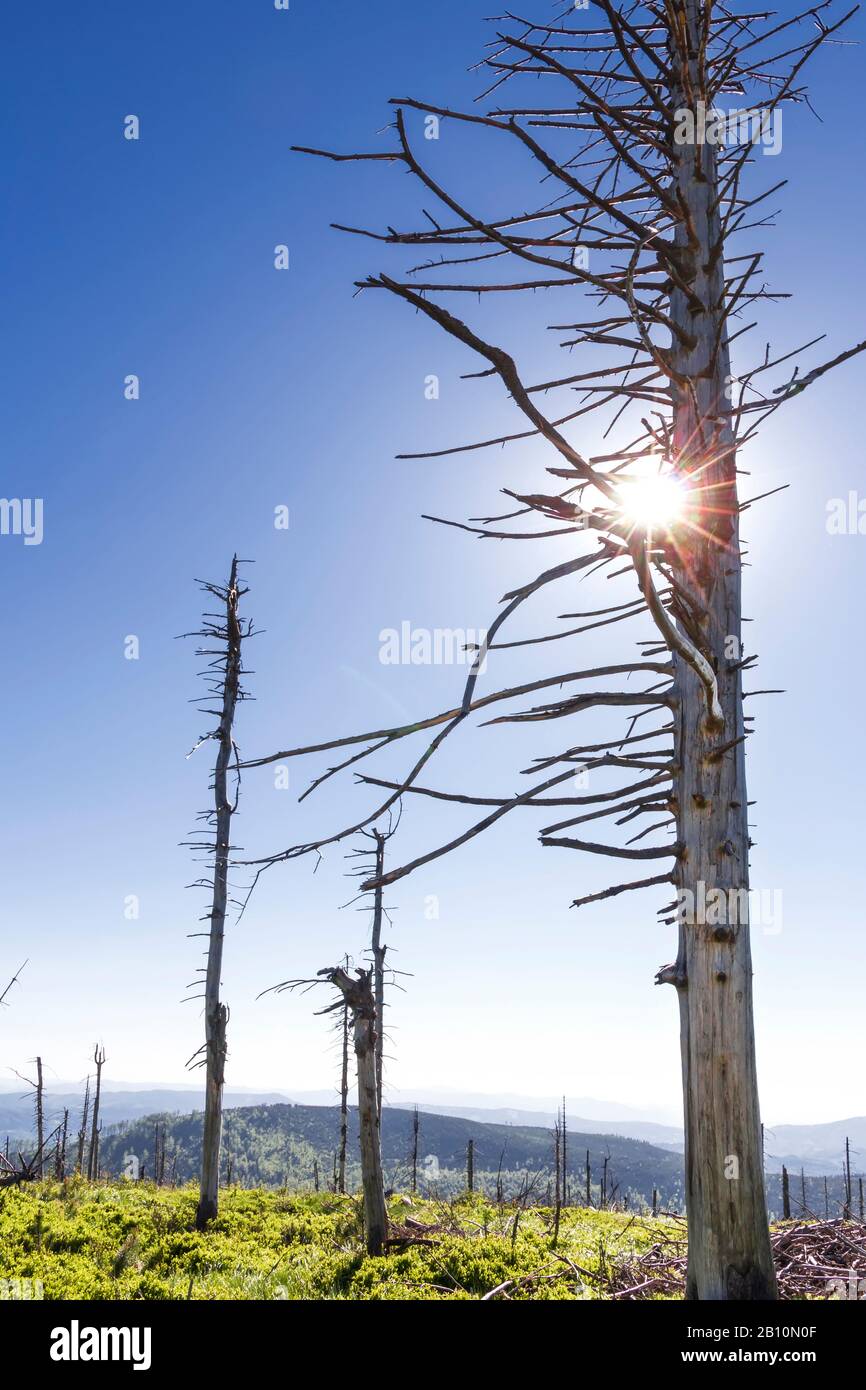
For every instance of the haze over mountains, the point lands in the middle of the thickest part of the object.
(816, 1149)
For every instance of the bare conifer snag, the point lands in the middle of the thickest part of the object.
(633, 200)
(223, 674)
(357, 994)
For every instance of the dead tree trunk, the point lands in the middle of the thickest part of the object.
(849, 1190)
(416, 1127)
(786, 1195)
(557, 1164)
(61, 1148)
(470, 1166)
(729, 1241)
(640, 216)
(344, 1101)
(564, 1156)
(378, 952)
(37, 1163)
(225, 672)
(40, 1118)
(93, 1161)
(358, 995)
(82, 1133)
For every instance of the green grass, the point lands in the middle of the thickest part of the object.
(135, 1241)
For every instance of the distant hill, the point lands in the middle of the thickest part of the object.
(666, 1136)
(816, 1148)
(280, 1144)
(16, 1111)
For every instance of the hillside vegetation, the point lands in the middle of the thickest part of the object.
(280, 1145)
(135, 1241)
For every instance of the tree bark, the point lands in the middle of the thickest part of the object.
(93, 1159)
(375, 1215)
(729, 1246)
(378, 952)
(358, 994)
(216, 1013)
(40, 1125)
(344, 1103)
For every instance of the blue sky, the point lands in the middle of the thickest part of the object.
(262, 388)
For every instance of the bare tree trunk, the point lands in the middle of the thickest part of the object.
(564, 1156)
(470, 1166)
(358, 994)
(40, 1119)
(216, 1013)
(92, 1165)
(588, 1181)
(378, 952)
(375, 1214)
(786, 1195)
(416, 1126)
(728, 1234)
(344, 1103)
(82, 1133)
(61, 1148)
(557, 1164)
(849, 1191)
(655, 200)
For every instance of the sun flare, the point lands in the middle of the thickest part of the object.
(652, 503)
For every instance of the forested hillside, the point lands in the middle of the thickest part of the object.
(278, 1145)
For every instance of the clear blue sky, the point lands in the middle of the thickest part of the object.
(261, 388)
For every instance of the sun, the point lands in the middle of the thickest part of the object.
(652, 503)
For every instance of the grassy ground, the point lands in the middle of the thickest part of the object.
(135, 1241)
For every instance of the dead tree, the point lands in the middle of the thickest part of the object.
(93, 1161)
(640, 206)
(358, 994)
(13, 981)
(60, 1157)
(849, 1190)
(470, 1166)
(344, 1099)
(786, 1195)
(223, 675)
(416, 1129)
(39, 1113)
(557, 1189)
(82, 1132)
(378, 950)
(26, 1169)
(564, 1155)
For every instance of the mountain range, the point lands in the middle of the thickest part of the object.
(814, 1149)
